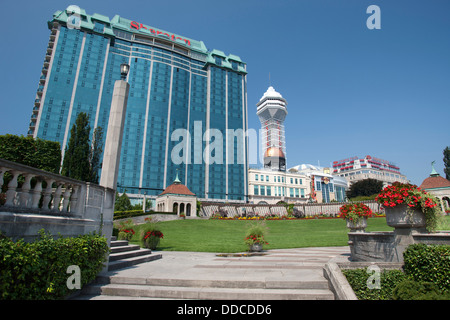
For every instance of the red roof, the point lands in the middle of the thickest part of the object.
(435, 182)
(177, 188)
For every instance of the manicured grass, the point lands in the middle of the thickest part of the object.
(228, 235)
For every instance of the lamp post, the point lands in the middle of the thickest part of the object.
(113, 143)
(113, 146)
(124, 69)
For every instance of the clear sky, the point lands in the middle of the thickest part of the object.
(351, 91)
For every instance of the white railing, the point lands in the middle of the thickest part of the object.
(30, 190)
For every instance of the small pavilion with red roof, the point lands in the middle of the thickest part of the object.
(438, 187)
(177, 198)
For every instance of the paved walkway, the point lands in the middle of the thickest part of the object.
(298, 269)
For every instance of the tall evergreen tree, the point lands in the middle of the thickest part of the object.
(76, 157)
(447, 163)
(96, 152)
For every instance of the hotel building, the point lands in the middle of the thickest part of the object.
(175, 83)
(324, 187)
(356, 169)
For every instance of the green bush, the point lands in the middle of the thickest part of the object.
(37, 153)
(136, 213)
(413, 290)
(357, 278)
(428, 263)
(38, 270)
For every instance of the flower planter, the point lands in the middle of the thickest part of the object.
(152, 242)
(402, 216)
(256, 247)
(357, 226)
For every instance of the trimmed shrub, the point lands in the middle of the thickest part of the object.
(389, 279)
(37, 153)
(413, 290)
(428, 263)
(38, 270)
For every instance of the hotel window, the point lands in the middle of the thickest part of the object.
(291, 192)
(318, 186)
(296, 181)
(269, 190)
(302, 193)
(292, 180)
(263, 190)
(296, 193)
(267, 178)
(256, 190)
(256, 177)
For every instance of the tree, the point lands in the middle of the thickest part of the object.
(81, 160)
(366, 187)
(122, 202)
(76, 157)
(447, 163)
(96, 152)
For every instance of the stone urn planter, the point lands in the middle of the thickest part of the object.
(357, 226)
(402, 217)
(256, 247)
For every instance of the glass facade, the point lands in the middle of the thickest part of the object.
(175, 83)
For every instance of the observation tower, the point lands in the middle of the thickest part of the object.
(271, 110)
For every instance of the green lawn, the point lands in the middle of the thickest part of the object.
(228, 235)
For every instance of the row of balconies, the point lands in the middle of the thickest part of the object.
(42, 79)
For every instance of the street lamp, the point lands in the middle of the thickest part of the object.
(124, 69)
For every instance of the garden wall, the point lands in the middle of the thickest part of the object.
(389, 246)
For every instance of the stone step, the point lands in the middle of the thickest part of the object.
(123, 248)
(206, 293)
(128, 254)
(128, 262)
(118, 243)
(125, 255)
(217, 283)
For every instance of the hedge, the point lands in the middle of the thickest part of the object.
(39, 270)
(36, 153)
(429, 263)
(357, 278)
(425, 275)
(136, 213)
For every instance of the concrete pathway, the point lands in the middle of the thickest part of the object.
(273, 274)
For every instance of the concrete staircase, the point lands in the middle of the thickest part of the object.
(279, 275)
(125, 255)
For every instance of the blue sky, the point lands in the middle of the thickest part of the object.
(351, 91)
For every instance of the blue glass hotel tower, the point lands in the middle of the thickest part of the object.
(175, 83)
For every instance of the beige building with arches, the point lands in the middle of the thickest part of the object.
(177, 198)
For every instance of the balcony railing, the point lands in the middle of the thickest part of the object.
(30, 190)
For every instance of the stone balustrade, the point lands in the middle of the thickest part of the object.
(48, 193)
(34, 199)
